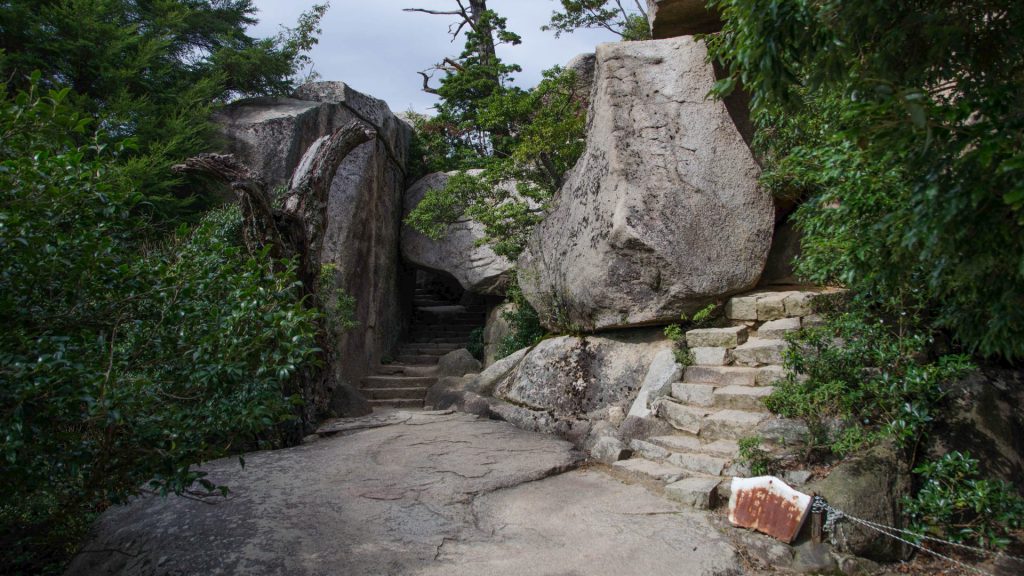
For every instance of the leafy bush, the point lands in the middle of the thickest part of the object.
(867, 374)
(703, 318)
(476, 343)
(752, 455)
(899, 122)
(954, 503)
(524, 324)
(124, 360)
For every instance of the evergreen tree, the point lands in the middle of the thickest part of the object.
(152, 70)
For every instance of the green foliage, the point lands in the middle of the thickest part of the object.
(703, 318)
(534, 137)
(954, 503)
(124, 361)
(900, 122)
(752, 455)
(869, 374)
(525, 328)
(152, 70)
(610, 15)
(476, 343)
(337, 306)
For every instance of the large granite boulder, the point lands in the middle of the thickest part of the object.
(361, 222)
(570, 377)
(496, 329)
(477, 268)
(582, 66)
(672, 18)
(663, 213)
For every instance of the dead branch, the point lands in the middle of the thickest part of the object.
(259, 228)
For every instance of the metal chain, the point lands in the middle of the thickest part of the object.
(894, 536)
(833, 527)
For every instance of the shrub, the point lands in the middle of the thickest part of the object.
(867, 374)
(125, 360)
(955, 503)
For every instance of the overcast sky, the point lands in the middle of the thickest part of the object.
(377, 48)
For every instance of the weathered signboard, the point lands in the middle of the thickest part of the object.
(768, 505)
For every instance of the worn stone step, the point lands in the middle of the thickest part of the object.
(411, 351)
(643, 469)
(730, 424)
(677, 443)
(749, 398)
(696, 463)
(711, 356)
(416, 359)
(396, 403)
(682, 417)
(700, 492)
(721, 375)
(729, 337)
(459, 340)
(396, 369)
(768, 375)
(397, 381)
(757, 352)
(778, 329)
(694, 394)
(418, 393)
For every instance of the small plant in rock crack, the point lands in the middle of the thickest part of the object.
(703, 318)
(476, 343)
(955, 503)
(752, 455)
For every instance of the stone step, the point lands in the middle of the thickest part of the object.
(449, 346)
(418, 393)
(409, 351)
(694, 394)
(396, 403)
(437, 338)
(711, 356)
(750, 398)
(397, 381)
(417, 359)
(778, 329)
(720, 448)
(757, 352)
(694, 463)
(700, 492)
(721, 375)
(643, 469)
(730, 424)
(730, 337)
(396, 369)
(681, 417)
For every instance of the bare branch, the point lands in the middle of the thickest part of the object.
(426, 84)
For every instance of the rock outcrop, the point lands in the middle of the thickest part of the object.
(571, 376)
(663, 213)
(477, 268)
(671, 18)
(495, 330)
(361, 220)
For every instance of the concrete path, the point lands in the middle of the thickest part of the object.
(412, 493)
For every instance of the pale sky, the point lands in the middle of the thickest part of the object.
(376, 48)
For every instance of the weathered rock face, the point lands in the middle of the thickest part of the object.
(583, 66)
(570, 376)
(671, 18)
(869, 487)
(495, 330)
(477, 268)
(663, 213)
(361, 222)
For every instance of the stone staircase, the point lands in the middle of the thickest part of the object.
(438, 327)
(720, 398)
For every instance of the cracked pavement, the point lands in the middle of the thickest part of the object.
(413, 493)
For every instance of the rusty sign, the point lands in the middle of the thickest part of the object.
(768, 505)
